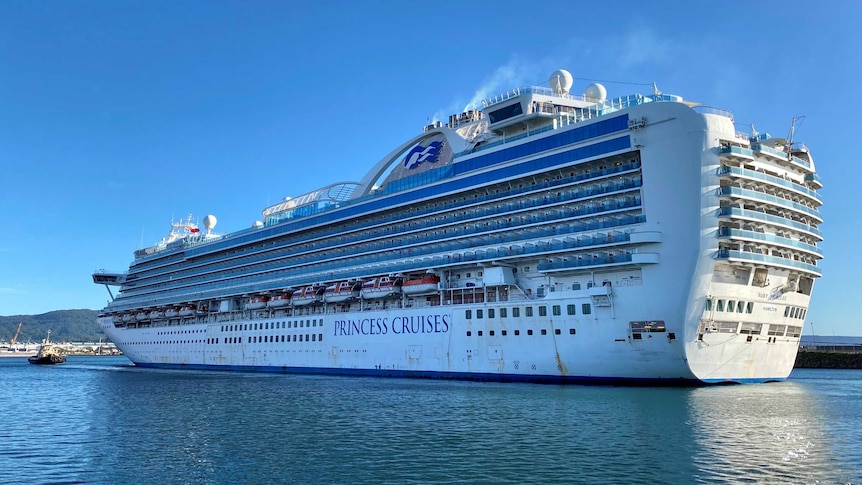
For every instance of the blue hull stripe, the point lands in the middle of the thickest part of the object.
(471, 376)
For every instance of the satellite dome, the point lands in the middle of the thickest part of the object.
(210, 222)
(595, 92)
(257, 224)
(561, 81)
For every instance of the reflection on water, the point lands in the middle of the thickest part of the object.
(96, 420)
(781, 432)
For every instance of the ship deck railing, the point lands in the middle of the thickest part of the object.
(493, 235)
(514, 191)
(260, 283)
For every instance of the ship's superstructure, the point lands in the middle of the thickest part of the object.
(546, 236)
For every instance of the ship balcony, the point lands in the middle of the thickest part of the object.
(731, 255)
(572, 264)
(735, 173)
(734, 213)
(744, 235)
(813, 180)
(780, 156)
(735, 153)
(753, 195)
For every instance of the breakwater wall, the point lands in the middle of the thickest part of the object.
(819, 359)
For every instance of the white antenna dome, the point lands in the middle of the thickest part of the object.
(561, 82)
(257, 224)
(596, 92)
(210, 222)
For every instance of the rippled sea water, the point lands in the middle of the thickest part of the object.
(101, 420)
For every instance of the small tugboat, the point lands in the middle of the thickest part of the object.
(48, 354)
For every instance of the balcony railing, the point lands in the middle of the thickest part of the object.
(779, 201)
(744, 172)
(761, 216)
(770, 260)
(769, 238)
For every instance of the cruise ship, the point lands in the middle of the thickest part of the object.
(545, 236)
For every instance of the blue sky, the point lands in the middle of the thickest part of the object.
(116, 116)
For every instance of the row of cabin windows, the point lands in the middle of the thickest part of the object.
(178, 332)
(556, 310)
(272, 325)
(270, 339)
(504, 333)
(730, 306)
(795, 312)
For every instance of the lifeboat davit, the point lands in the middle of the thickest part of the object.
(278, 301)
(308, 295)
(256, 303)
(382, 287)
(421, 285)
(341, 292)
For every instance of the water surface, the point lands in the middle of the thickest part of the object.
(101, 420)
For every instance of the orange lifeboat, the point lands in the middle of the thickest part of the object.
(421, 286)
(309, 295)
(256, 303)
(382, 287)
(341, 292)
(279, 301)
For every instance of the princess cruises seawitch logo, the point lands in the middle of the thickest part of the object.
(420, 154)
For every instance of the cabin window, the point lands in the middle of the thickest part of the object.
(576, 286)
(530, 331)
(517, 332)
(490, 313)
(491, 333)
(469, 333)
(468, 314)
(570, 309)
(528, 311)
(544, 331)
(543, 311)
(503, 333)
(585, 309)
(719, 306)
(556, 310)
(516, 312)
(503, 312)
(556, 331)
(708, 305)
(479, 333)
(572, 331)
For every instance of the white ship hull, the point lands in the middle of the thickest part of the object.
(636, 240)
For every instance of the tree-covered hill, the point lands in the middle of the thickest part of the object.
(65, 325)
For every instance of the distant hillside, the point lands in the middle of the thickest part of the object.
(65, 325)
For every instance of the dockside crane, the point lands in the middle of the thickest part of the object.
(15, 337)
